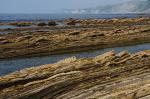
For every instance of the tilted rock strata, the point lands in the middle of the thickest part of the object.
(124, 21)
(71, 40)
(107, 76)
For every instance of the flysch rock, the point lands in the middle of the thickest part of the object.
(89, 35)
(85, 78)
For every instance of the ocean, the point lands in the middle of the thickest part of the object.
(45, 17)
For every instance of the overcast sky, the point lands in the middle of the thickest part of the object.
(49, 6)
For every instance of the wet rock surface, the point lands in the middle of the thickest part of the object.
(107, 76)
(52, 23)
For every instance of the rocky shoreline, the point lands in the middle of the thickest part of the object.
(107, 76)
(90, 34)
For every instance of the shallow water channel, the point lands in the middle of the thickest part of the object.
(11, 65)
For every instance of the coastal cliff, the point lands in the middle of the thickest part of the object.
(132, 6)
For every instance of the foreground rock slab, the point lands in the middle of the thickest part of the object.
(107, 76)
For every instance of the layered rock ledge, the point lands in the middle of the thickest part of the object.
(107, 76)
(118, 32)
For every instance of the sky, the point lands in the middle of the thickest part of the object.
(50, 6)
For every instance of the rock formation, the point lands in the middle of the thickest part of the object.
(52, 23)
(107, 76)
(91, 34)
(41, 24)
